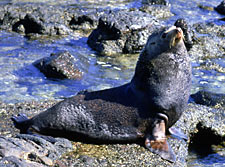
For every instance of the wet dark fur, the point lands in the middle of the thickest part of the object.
(118, 108)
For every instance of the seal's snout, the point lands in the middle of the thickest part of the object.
(174, 35)
(179, 33)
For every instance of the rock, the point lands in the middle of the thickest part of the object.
(221, 7)
(122, 31)
(12, 161)
(29, 19)
(159, 11)
(30, 23)
(188, 35)
(209, 99)
(196, 120)
(84, 20)
(206, 129)
(153, 2)
(208, 45)
(198, 117)
(60, 65)
(210, 28)
(122, 155)
(29, 150)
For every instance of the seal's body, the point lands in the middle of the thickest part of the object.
(145, 108)
(163, 74)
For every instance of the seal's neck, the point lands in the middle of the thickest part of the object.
(145, 68)
(142, 74)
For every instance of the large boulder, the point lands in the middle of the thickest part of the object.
(122, 31)
(60, 65)
(31, 19)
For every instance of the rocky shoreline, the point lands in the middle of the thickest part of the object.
(28, 150)
(42, 20)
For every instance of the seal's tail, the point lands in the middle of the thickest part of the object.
(21, 122)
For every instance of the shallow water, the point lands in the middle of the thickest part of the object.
(19, 76)
(21, 81)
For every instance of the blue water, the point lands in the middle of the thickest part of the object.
(21, 81)
(19, 76)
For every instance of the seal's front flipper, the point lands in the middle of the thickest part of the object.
(157, 143)
(162, 148)
(176, 133)
(20, 122)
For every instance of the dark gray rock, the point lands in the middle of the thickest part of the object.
(28, 150)
(43, 19)
(30, 24)
(60, 65)
(221, 7)
(209, 98)
(122, 31)
(84, 20)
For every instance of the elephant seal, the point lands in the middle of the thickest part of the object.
(145, 108)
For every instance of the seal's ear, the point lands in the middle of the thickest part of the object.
(162, 148)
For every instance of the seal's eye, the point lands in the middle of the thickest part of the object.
(164, 35)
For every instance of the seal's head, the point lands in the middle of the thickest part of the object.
(167, 39)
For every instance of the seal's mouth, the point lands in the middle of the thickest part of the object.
(177, 36)
(174, 35)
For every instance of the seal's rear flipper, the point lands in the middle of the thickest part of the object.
(162, 148)
(20, 122)
(176, 133)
